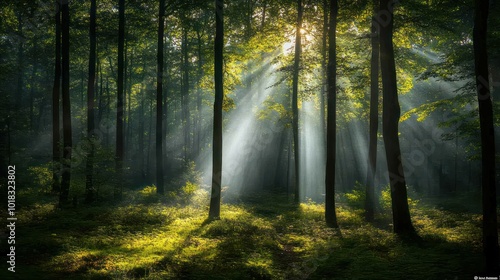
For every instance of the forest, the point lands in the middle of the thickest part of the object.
(250, 139)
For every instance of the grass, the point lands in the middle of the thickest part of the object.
(260, 237)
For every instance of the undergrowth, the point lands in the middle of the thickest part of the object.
(261, 237)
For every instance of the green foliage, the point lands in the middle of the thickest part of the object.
(263, 237)
(356, 198)
(41, 178)
(385, 198)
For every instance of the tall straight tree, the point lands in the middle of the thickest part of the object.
(391, 113)
(295, 92)
(324, 85)
(119, 103)
(490, 232)
(331, 137)
(372, 146)
(214, 212)
(159, 101)
(56, 91)
(89, 187)
(66, 105)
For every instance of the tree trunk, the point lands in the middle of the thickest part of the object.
(185, 95)
(119, 103)
(20, 63)
(330, 214)
(391, 113)
(490, 233)
(197, 145)
(372, 146)
(159, 101)
(324, 82)
(214, 212)
(295, 108)
(90, 105)
(66, 106)
(56, 138)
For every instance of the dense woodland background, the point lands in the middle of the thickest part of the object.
(108, 113)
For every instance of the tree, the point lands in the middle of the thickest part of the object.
(390, 119)
(119, 103)
(90, 105)
(295, 91)
(214, 212)
(56, 89)
(331, 138)
(372, 146)
(66, 105)
(159, 101)
(490, 233)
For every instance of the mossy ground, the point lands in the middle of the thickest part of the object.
(257, 237)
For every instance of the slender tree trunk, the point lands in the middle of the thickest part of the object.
(141, 135)
(66, 107)
(32, 94)
(119, 103)
(295, 107)
(185, 95)
(90, 105)
(372, 148)
(490, 233)
(214, 212)
(159, 102)
(56, 138)
(331, 138)
(198, 96)
(391, 113)
(324, 83)
(20, 63)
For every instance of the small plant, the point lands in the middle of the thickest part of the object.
(385, 200)
(356, 198)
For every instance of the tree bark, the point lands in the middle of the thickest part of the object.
(324, 83)
(330, 214)
(490, 233)
(295, 107)
(372, 146)
(185, 95)
(159, 101)
(391, 113)
(90, 105)
(56, 138)
(214, 212)
(66, 106)
(119, 103)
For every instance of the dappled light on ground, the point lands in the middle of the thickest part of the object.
(262, 237)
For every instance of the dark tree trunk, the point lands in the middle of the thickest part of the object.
(198, 97)
(490, 233)
(391, 113)
(32, 94)
(214, 212)
(159, 101)
(324, 85)
(295, 107)
(66, 107)
(20, 64)
(331, 138)
(56, 138)
(372, 146)
(89, 197)
(185, 95)
(119, 103)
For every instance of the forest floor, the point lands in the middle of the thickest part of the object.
(258, 237)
